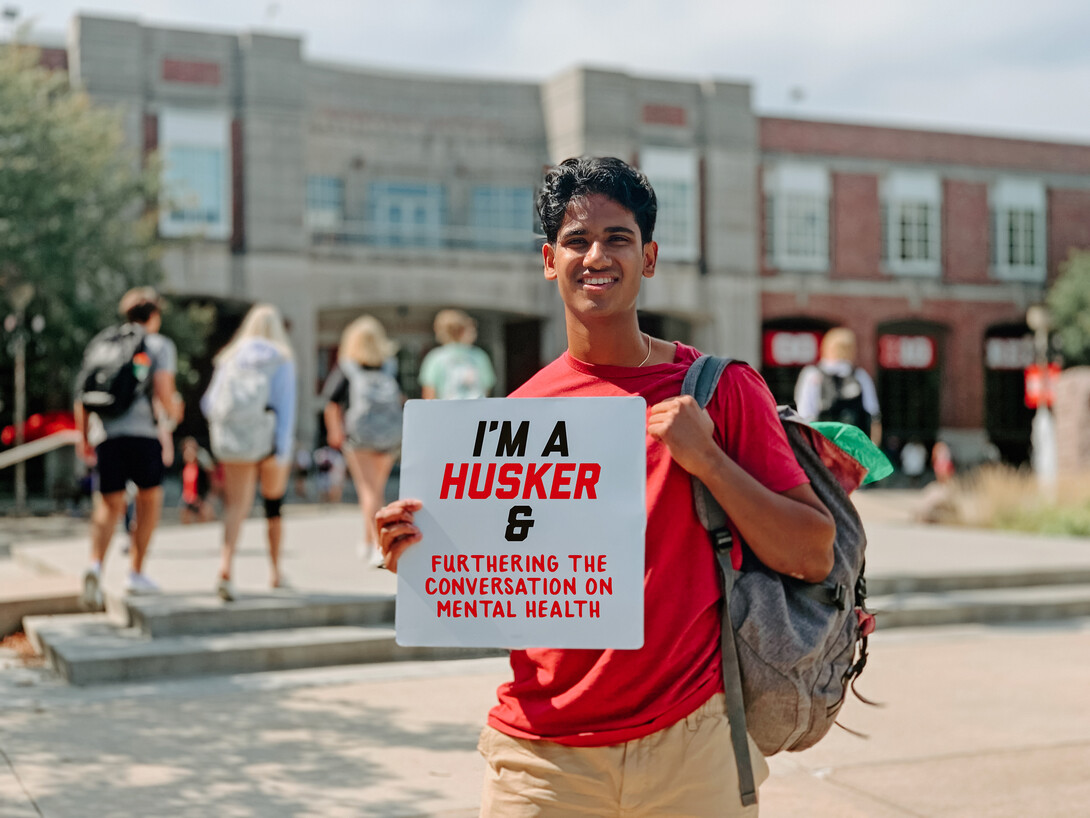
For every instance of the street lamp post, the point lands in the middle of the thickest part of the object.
(1043, 433)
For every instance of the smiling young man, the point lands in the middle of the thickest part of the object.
(641, 732)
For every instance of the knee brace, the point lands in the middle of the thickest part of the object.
(272, 507)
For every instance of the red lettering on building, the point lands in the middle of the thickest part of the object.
(193, 72)
(664, 115)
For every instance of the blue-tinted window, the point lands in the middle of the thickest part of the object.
(195, 182)
(502, 217)
(406, 213)
(325, 202)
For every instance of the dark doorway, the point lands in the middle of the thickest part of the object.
(1008, 350)
(789, 344)
(910, 361)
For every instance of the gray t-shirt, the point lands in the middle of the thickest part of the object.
(139, 420)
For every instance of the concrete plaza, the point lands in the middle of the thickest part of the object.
(977, 721)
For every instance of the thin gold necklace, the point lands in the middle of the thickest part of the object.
(646, 357)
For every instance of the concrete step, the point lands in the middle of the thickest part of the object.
(987, 606)
(90, 649)
(178, 615)
(942, 583)
(25, 592)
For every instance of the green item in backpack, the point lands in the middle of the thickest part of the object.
(855, 442)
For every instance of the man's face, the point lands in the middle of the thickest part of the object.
(599, 258)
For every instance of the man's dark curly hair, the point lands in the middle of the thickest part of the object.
(587, 175)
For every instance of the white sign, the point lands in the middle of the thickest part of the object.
(533, 523)
(906, 352)
(1008, 353)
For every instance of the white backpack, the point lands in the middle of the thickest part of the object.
(241, 424)
(373, 417)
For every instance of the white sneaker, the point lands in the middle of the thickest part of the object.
(225, 590)
(371, 554)
(139, 585)
(91, 596)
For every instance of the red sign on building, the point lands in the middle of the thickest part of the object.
(790, 348)
(906, 352)
(193, 72)
(664, 115)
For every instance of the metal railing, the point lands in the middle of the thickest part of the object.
(26, 451)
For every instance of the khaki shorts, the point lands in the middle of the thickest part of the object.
(686, 769)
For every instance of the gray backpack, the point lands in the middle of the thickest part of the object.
(373, 418)
(241, 426)
(791, 649)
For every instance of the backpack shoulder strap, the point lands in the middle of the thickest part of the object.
(701, 381)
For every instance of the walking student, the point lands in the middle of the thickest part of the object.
(363, 419)
(456, 369)
(126, 368)
(250, 407)
(836, 389)
(641, 732)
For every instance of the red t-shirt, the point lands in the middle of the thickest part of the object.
(601, 697)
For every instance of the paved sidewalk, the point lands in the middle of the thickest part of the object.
(979, 722)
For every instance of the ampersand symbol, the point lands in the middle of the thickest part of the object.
(519, 523)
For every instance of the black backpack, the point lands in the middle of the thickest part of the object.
(791, 649)
(115, 372)
(842, 400)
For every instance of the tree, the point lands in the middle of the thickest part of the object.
(1069, 304)
(77, 217)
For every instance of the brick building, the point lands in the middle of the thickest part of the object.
(332, 190)
(930, 246)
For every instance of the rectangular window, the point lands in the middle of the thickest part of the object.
(911, 207)
(196, 198)
(673, 173)
(502, 218)
(1022, 244)
(194, 178)
(325, 203)
(797, 217)
(770, 229)
(1018, 229)
(410, 214)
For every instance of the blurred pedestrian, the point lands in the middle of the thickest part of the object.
(363, 412)
(836, 389)
(942, 462)
(126, 368)
(456, 369)
(250, 406)
(196, 483)
(330, 470)
(914, 461)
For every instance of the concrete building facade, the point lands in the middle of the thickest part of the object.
(333, 190)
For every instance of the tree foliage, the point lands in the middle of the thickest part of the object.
(1069, 304)
(77, 219)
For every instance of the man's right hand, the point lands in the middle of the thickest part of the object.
(396, 530)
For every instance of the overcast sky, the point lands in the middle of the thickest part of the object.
(1003, 67)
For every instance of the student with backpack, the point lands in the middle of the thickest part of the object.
(456, 369)
(250, 407)
(580, 732)
(125, 369)
(363, 419)
(835, 389)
